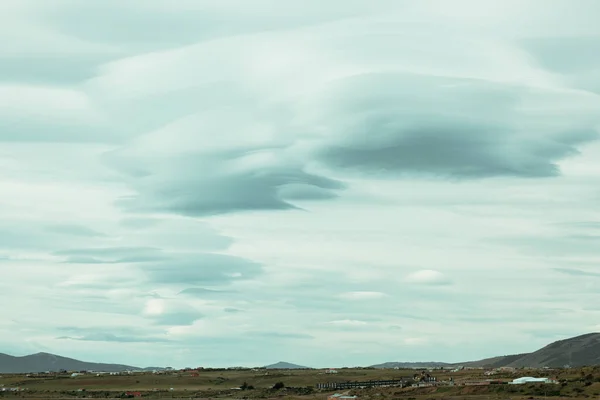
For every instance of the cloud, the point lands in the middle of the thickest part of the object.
(261, 164)
(279, 335)
(182, 233)
(362, 295)
(19, 234)
(241, 181)
(171, 313)
(427, 277)
(577, 62)
(563, 244)
(109, 337)
(393, 123)
(457, 108)
(203, 292)
(117, 334)
(110, 255)
(73, 230)
(349, 323)
(414, 341)
(50, 114)
(201, 268)
(169, 267)
(582, 225)
(577, 272)
(139, 223)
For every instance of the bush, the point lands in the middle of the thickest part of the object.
(278, 386)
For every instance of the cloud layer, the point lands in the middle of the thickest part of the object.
(242, 176)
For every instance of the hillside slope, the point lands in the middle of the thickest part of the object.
(495, 362)
(41, 362)
(578, 351)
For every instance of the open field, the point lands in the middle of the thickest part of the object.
(582, 383)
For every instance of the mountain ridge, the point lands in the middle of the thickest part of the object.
(41, 362)
(578, 351)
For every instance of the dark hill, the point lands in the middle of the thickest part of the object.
(576, 352)
(285, 365)
(41, 362)
(495, 362)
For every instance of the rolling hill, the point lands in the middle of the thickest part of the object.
(285, 365)
(41, 362)
(494, 362)
(578, 351)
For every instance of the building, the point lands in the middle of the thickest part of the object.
(529, 379)
(340, 396)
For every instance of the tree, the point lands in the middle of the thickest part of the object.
(278, 386)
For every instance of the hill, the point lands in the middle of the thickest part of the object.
(285, 365)
(575, 352)
(41, 362)
(494, 362)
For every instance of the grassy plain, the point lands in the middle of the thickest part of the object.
(300, 385)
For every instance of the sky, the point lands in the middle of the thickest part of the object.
(329, 183)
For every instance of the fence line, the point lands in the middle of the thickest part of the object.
(355, 385)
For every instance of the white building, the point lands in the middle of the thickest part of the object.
(341, 396)
(529, 379)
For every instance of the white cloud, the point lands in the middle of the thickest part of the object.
(333, 171)
(414, 341)
(154, 307)
(427, 277)
(362, 295)
(348, 322)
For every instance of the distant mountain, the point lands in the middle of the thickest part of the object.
(285, 365)
(41, 362)
(578, 351)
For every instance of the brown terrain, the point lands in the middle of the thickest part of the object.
(475, 384)
(483, 380)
